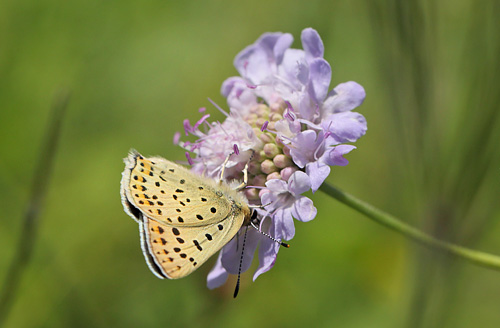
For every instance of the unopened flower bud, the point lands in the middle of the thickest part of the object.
(274, 175)
(265, 137)
(278, 141)
(256, 131)
(252, 194)
(281, 161)
(268, 166)
(263, 191)
(287, 172)
(251, 118)
(271, 150)
(259, 180)
(286, 151)
(262, 110)
(254, 168)
(276, 107)
(273, 117)
(260, 121)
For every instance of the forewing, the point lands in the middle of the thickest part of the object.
(171, 194)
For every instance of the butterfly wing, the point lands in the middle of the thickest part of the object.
(177, 251)
(183, 218)
(171, 194)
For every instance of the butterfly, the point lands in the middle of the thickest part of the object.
(184, 218)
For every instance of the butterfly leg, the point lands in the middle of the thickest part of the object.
(245, 172)
(245, 179)
(223, 169)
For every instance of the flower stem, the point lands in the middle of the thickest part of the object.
(479, 258)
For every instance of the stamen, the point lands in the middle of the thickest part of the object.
(264, 126)
(190, 160)
(218, 107)
(207, 125)
(309, 123)
(195, 146)
(236, 150)
(290, 116)
(257, 187)
(319, 148)
(224, 130)
(200, 121)
(187, 127)
(272, 131)
(177, 137)
(287, 138)
(187, 145)
(317, 108)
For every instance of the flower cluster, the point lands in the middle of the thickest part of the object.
(289, 126)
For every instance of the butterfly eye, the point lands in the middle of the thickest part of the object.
(254, 215)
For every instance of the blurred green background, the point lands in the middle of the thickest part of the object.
(136, 69)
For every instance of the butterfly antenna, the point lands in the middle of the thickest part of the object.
(269, 236)
(237, 288)
(260, 206)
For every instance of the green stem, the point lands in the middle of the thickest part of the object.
(480, 258)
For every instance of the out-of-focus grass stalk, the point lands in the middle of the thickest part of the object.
(38, 192)
(478, 128)
(442, 78)
(480, 258)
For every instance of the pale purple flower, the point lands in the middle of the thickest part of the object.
(289, 126)
(213, 146)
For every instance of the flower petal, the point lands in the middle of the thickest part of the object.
(345, 97)
(267, 42)
(303, 209)
(283, 43)
(228, 85)
(294, 68)
(287, 129)
(268, 251)
(302, 150)
(283, 224)
(298, 183)
(312, 43)
(277, 185)
(320, 75)
(308, 107)
(239, 96)
(345, 126)
(218, 275)
(231, 253)
(317, 172)
(253, 64)
(335, 156)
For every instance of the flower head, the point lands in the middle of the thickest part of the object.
(289, 126)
